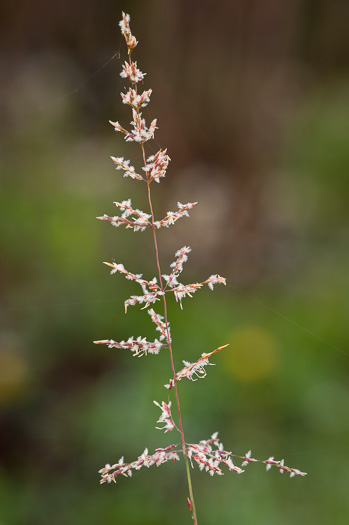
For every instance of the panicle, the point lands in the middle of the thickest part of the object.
(210, 454)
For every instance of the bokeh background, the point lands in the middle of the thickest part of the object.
(252, 101)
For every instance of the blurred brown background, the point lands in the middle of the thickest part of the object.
(252, 101)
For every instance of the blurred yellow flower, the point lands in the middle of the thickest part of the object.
(13, 374)
(253, 354)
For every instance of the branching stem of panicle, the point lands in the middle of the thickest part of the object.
(208, 454)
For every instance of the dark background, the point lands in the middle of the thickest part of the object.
(252, 103)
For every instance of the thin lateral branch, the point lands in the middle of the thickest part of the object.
(161, 455)
(156, 166)
(183, 290)
(131, 218)
(173, 216)
(140, 132)
(131, 98)
(122, 164)
(165, 417)
(133, 276)
(209, 455)
(196, 370)
(141, 220)
(138, 346)
(270, 462)
(161, 326)
(151, 290)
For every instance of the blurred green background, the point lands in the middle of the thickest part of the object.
(252, 101)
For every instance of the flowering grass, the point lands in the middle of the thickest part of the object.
(209, 455)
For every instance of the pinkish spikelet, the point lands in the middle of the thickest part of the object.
(166, 416)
